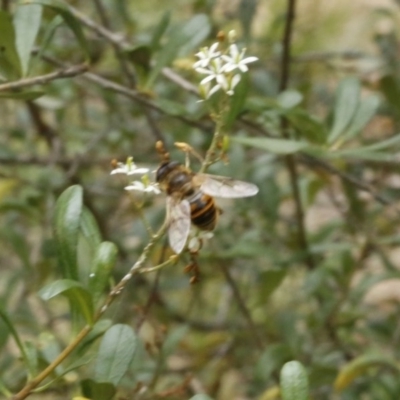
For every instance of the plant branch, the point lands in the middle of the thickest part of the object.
(27, 389)
(242, 306)
(290, 159)
(117, 290)
(43, 79)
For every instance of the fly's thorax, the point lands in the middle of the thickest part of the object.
(173, 177)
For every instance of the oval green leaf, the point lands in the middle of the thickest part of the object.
(364, 113)
(289, 99)
(182, 40)
(116, 352)
(66, 226)
(346, 103)
(27, 21)
(103, 263)
(90, 229)
(294, 381)
(98, 390)
(75, 292)
(10, 65)
(68, 17)
(201, 396)
(277, 146)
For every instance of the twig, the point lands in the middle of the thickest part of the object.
(116, 38)
(140, 98)
(242, 306)
(116, 291)
(43, 79)
(290, 159)
(311, 161)
(286, 45)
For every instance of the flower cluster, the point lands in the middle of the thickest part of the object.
(223, 70)
(130, 168)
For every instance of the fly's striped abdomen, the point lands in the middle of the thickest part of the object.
(203, 211)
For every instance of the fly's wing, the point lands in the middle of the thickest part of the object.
(223, 186)
(179, 223)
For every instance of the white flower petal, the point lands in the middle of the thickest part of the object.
(248, 60)
(141, 187)
(213, 90)
(204, 71)
(207, 79)
(138, 171)
(235, 80)
(213, 47)
(233, 50)
(222, 81)
(119, 170)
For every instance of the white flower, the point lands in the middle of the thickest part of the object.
(215, 72)
(141, 187)
(196, 242)
(205, 56)
(236, 61)
(129, 168)
(223, 71)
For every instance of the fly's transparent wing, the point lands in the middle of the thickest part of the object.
(223, 186)
(179, 223)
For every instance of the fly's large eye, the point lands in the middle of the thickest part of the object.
(164, 169)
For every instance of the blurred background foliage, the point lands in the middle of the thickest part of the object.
(313, 278)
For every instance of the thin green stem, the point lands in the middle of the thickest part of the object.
(136, 268)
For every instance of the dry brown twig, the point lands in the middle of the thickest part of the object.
(66, 72)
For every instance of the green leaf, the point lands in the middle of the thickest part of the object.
(74, 291)
(10, 65)
(309, 127)
(27, 95)
(98, 330)
(66, 226)
(365, 111)
(160, 30)
(183, 39)
(361, 365)
(32, 357)
(116, 352)
(90, 228)
(62, 9)
(27, 21)
(103, 264)
(98, 390)
(195, 31)
(14, 333)
(269, 281)
(140, 56)
(289, 99)
(346, 104)
(294, 382)
(201, 396)
(371, 152)
(277, 146)
(48, 34)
